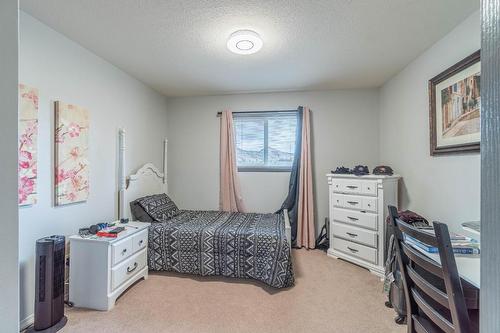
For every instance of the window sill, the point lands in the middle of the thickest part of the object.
(264, 169)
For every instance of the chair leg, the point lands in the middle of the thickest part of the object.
(400, 320)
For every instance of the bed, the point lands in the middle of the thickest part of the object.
(208, 243)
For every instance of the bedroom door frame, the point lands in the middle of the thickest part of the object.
(9, 235)
(490, 166)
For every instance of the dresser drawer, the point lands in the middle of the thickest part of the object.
(355, 186)
(140, 240)
(369, 188)
(357, 250)
(349, 186)
(369, 204)
(128, 269)
(355, 234)
(338, 200)
(357, 202)
(337, 185)
(352, 186)
(357, 218)
(121, 250)
(353, 202)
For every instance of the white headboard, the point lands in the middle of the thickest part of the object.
(147, 180)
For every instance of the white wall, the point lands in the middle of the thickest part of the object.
(9, 279)
(444, 188)
(344, 132)
(63, 70)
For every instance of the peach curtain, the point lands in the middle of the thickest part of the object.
(305, 222)
(230, 198)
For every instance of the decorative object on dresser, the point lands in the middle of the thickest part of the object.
(102, 268)
(358, 209)
(342, 170)
(383, 170)
(360, 170)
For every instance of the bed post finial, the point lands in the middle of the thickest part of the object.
(122, 184)
(165, 142)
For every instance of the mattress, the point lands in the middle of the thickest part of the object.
(214, 243)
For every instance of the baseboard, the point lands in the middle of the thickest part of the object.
(26, 322)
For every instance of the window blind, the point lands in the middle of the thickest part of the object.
(265, 141)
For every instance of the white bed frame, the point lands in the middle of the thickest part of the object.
(150, 180)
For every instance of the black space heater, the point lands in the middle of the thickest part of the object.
(49, 283)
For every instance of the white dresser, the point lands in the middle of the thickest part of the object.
(102, 268)
(358, 209)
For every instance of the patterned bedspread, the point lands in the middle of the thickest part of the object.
(241, 245)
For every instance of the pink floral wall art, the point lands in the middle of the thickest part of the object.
(71, 154)
(28, 137)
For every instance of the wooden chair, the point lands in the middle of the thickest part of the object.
(430, 307)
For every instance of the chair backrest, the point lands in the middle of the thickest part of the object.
(422, 292)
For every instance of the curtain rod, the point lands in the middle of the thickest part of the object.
(277, 111)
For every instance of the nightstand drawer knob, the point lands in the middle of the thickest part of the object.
(141, 241)
(124, 251)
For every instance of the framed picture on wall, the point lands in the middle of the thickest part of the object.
(454, 108)
(72, 174)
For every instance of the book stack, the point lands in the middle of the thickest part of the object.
(107, 234)
(110, 233)
(462, 245)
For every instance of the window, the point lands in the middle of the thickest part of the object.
(265, 141)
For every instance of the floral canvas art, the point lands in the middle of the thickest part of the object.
(71, 154)
(28, 137)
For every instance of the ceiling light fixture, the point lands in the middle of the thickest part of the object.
(244, 42)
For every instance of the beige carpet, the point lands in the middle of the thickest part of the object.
(329, 296)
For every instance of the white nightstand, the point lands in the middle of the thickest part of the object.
(102, 268)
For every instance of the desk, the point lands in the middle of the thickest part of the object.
(469, 267)
(469, 270)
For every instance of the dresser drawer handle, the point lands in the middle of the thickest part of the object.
(353, 202)
(133, 269)
(124, 251)
(351, 234)
(352, 187)
(352, 250)
(352, 218)
(141, 241)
